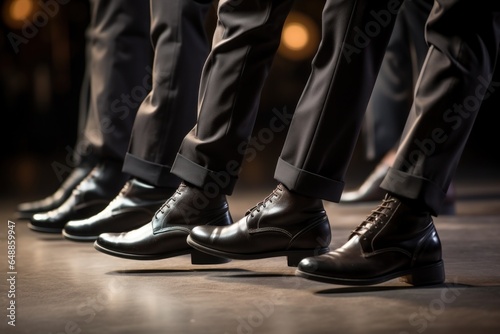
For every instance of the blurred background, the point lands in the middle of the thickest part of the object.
(42, 64)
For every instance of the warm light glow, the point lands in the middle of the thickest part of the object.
(300, 37)
(16, 13)
(295, 36)
(20, 10)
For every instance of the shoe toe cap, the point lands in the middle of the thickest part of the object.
(106, 238)
(200, 233)
(308, 265)
(40, 217)
(76, 227)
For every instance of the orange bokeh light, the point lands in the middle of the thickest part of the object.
(300, 37)
(295, 36)
(20, 10)
(17, 12)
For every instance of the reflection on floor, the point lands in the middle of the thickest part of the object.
(67, 287)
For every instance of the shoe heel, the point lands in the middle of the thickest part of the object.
(297, 256)
(198, 257)
(433, 274)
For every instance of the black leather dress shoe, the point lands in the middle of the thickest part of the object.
(394, 241)
(132, 208)
(165, 236)
(27, 210)
(284, 224)
(91, 196)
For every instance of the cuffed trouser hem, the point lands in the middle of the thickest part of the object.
(199, 176)
(307, 183)
(150, 172)
(415, 188)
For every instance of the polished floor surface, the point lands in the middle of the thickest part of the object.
(67, 287)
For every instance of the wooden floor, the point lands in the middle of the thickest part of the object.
(67, 287)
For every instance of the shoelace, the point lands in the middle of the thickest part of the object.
(167, 203)
(374, 216)
(262, 204)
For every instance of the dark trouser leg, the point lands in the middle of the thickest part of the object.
(246, 39)
(392, 95)
(120, 54)
(164, 117)
(83, 153)
(328, 117)
(117, 52)
(453, 82)
(169, 111)
(120, 51)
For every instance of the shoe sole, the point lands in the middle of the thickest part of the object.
(53, 230)
(79, 238)
(293, 256)
(196, 256)
(427, 275)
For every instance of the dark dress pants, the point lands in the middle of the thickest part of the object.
(83, 153)
(392, 95)
(328, 117)
(464, 39)
(119, 55)
(169, 110)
